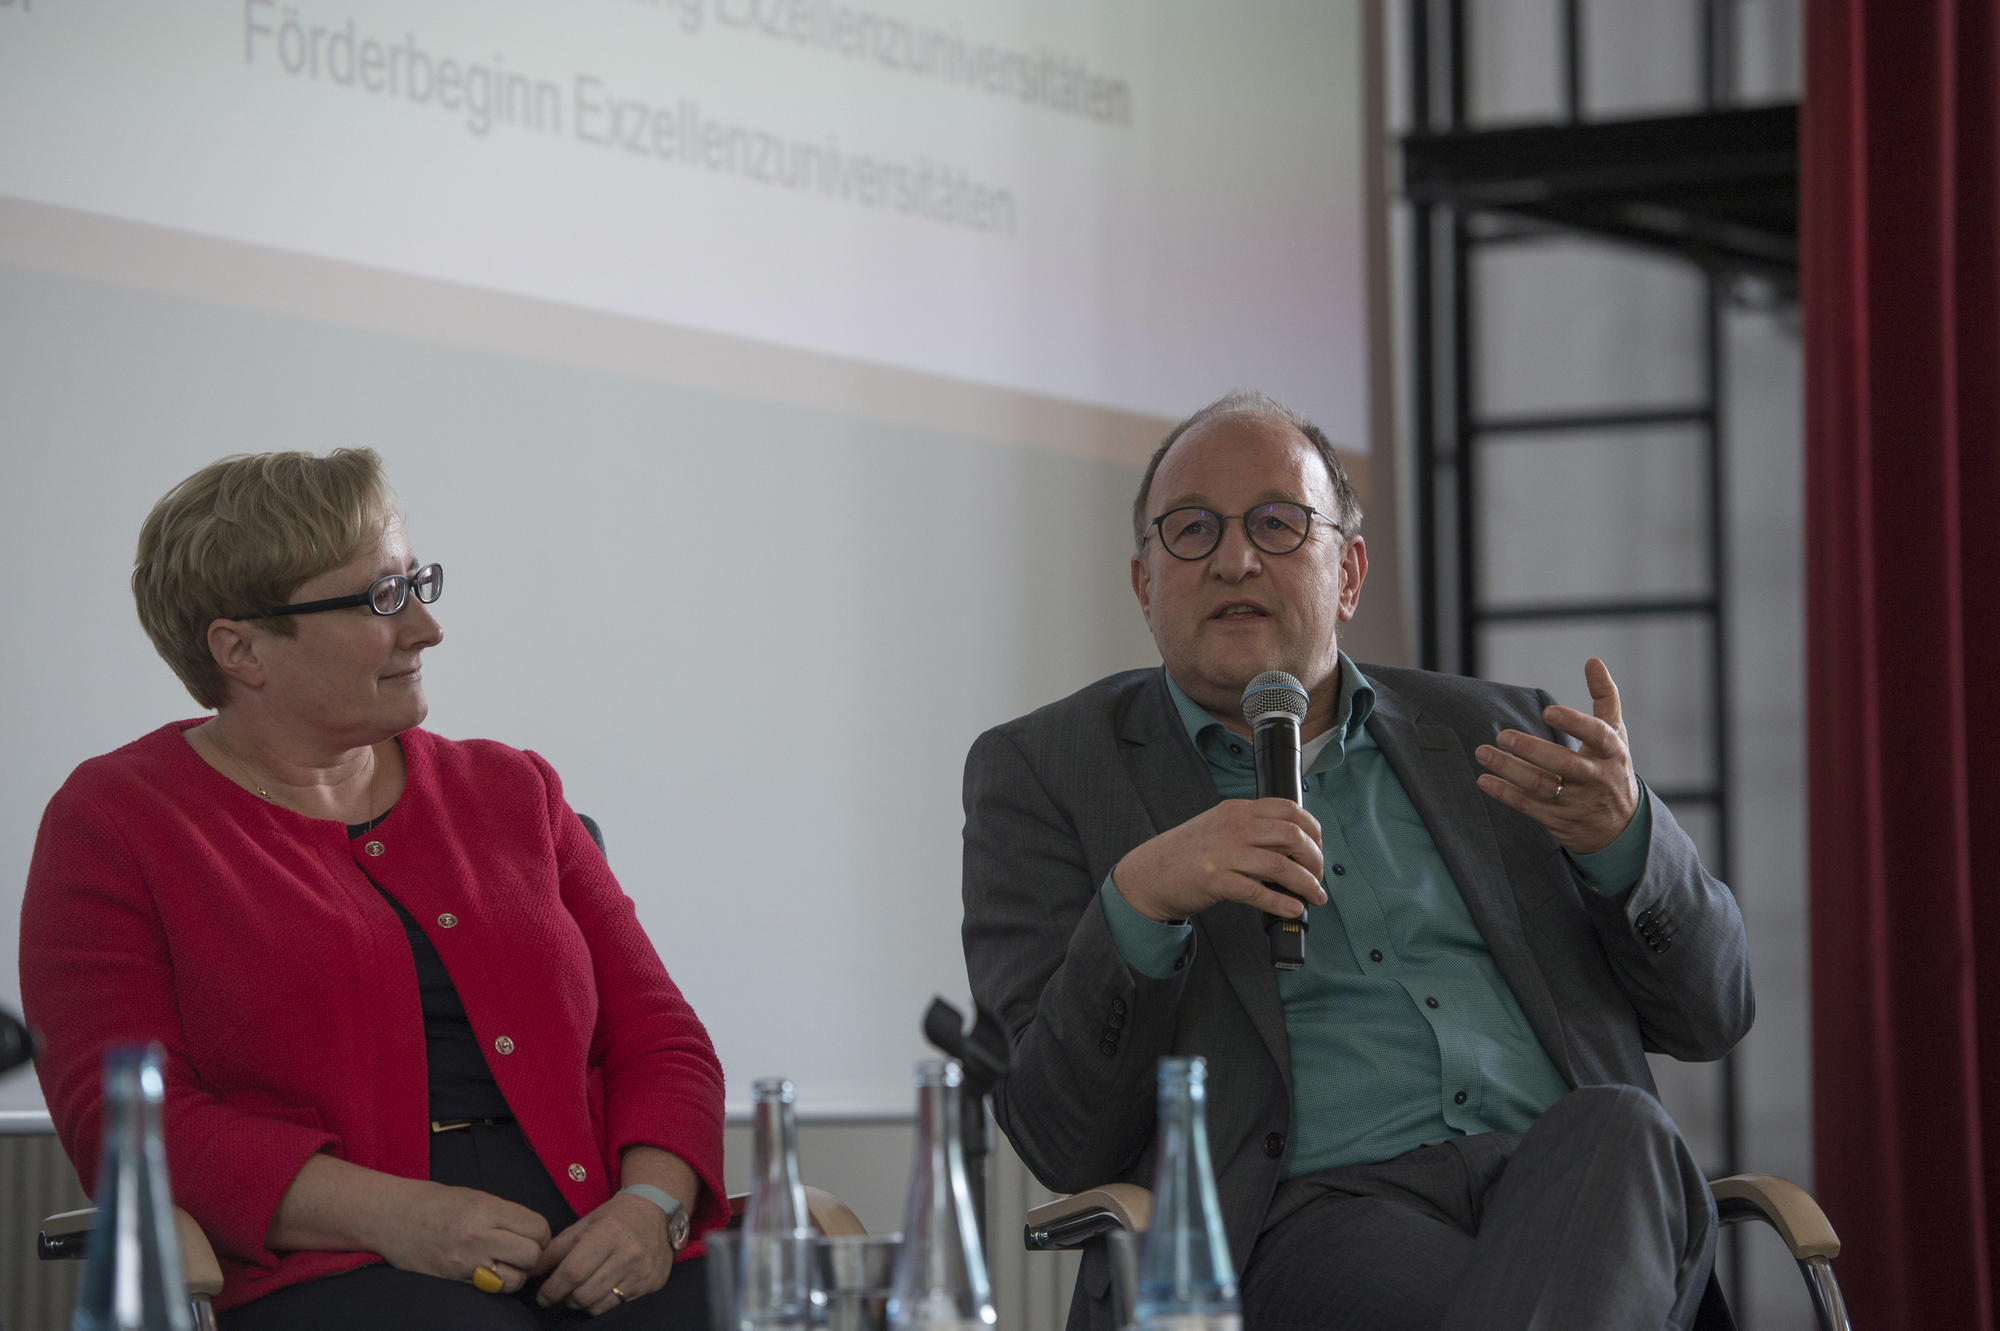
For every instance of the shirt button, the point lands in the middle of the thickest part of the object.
(1458, 1099)
(1430, 1002)
(1236, 749)
(1339, 870)
(447, 921)
(579, 1173)
(374, 848)
(504, 1045)
(1376, 955)
(1274, 1144)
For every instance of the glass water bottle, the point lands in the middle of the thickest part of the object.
(132, 1276)
(775, 1289)
(940, 1282)
(1186, 1280)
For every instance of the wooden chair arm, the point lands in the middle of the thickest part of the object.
(1069, 1222)
(62, 1233)
(68, 1224)
(829, 1215)
(204, 1273)
(1781, 1204)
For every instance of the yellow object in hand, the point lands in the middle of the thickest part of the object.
(486, 1281)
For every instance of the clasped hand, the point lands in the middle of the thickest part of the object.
(1585, 796)
(1227, 853)
(451, 1231)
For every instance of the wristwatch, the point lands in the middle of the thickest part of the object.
(677, 1216)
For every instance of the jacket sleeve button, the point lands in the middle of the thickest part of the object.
(1274, 1144)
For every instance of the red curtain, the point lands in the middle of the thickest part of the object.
(1900, 155)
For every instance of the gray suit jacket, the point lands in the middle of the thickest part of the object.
(1054, 800)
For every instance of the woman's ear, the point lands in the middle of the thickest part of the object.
(234, 646)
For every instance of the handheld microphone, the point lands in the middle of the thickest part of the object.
(1274, 704)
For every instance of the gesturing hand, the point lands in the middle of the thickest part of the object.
(623, 1244)
(1585, 797)
(1226, 853)
(446, 1231)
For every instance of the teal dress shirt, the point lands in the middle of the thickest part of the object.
(1403, 1032)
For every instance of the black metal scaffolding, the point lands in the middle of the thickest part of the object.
(1716, 187)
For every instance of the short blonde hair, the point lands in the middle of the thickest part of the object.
(241, 535)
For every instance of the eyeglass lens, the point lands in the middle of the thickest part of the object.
(1276, 529)
(390, 594)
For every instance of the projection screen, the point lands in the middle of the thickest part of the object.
(771, 376)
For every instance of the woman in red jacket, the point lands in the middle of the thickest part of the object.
(424, 1068)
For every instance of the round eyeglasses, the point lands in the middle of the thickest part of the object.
(1276, 529)
(385, 596)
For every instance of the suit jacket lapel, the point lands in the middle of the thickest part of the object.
(1174, 784)
(1437, 772)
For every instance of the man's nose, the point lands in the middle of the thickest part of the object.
(1235, 555)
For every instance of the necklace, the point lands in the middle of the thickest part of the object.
(242, 767)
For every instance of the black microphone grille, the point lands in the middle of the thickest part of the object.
(1274, 693)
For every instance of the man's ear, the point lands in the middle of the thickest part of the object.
(1354, 568)
(234, 648)
(1142, 586)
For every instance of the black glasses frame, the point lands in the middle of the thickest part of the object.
(1222, 521)
(428, 578)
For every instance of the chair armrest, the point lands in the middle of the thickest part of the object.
(65, 1235)
(1781, 1204)
(68, 1234)
(204, 1273)
(828, 1214)
(1070, 1222)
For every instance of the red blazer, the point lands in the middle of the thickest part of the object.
(165, 902)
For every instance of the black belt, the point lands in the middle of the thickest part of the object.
(454, 1124)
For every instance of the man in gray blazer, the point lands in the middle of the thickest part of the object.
(1445, 1118)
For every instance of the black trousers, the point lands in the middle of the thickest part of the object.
(495, 1159)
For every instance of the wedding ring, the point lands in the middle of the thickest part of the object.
(486, 1280)
(1557, 797)
(618, 1294)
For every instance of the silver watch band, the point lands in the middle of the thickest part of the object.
(666, 1201)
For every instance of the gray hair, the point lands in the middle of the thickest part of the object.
(1255, 402)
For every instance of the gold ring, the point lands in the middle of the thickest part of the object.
(1557, 797)
(618, 1294)
(486, 1280)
